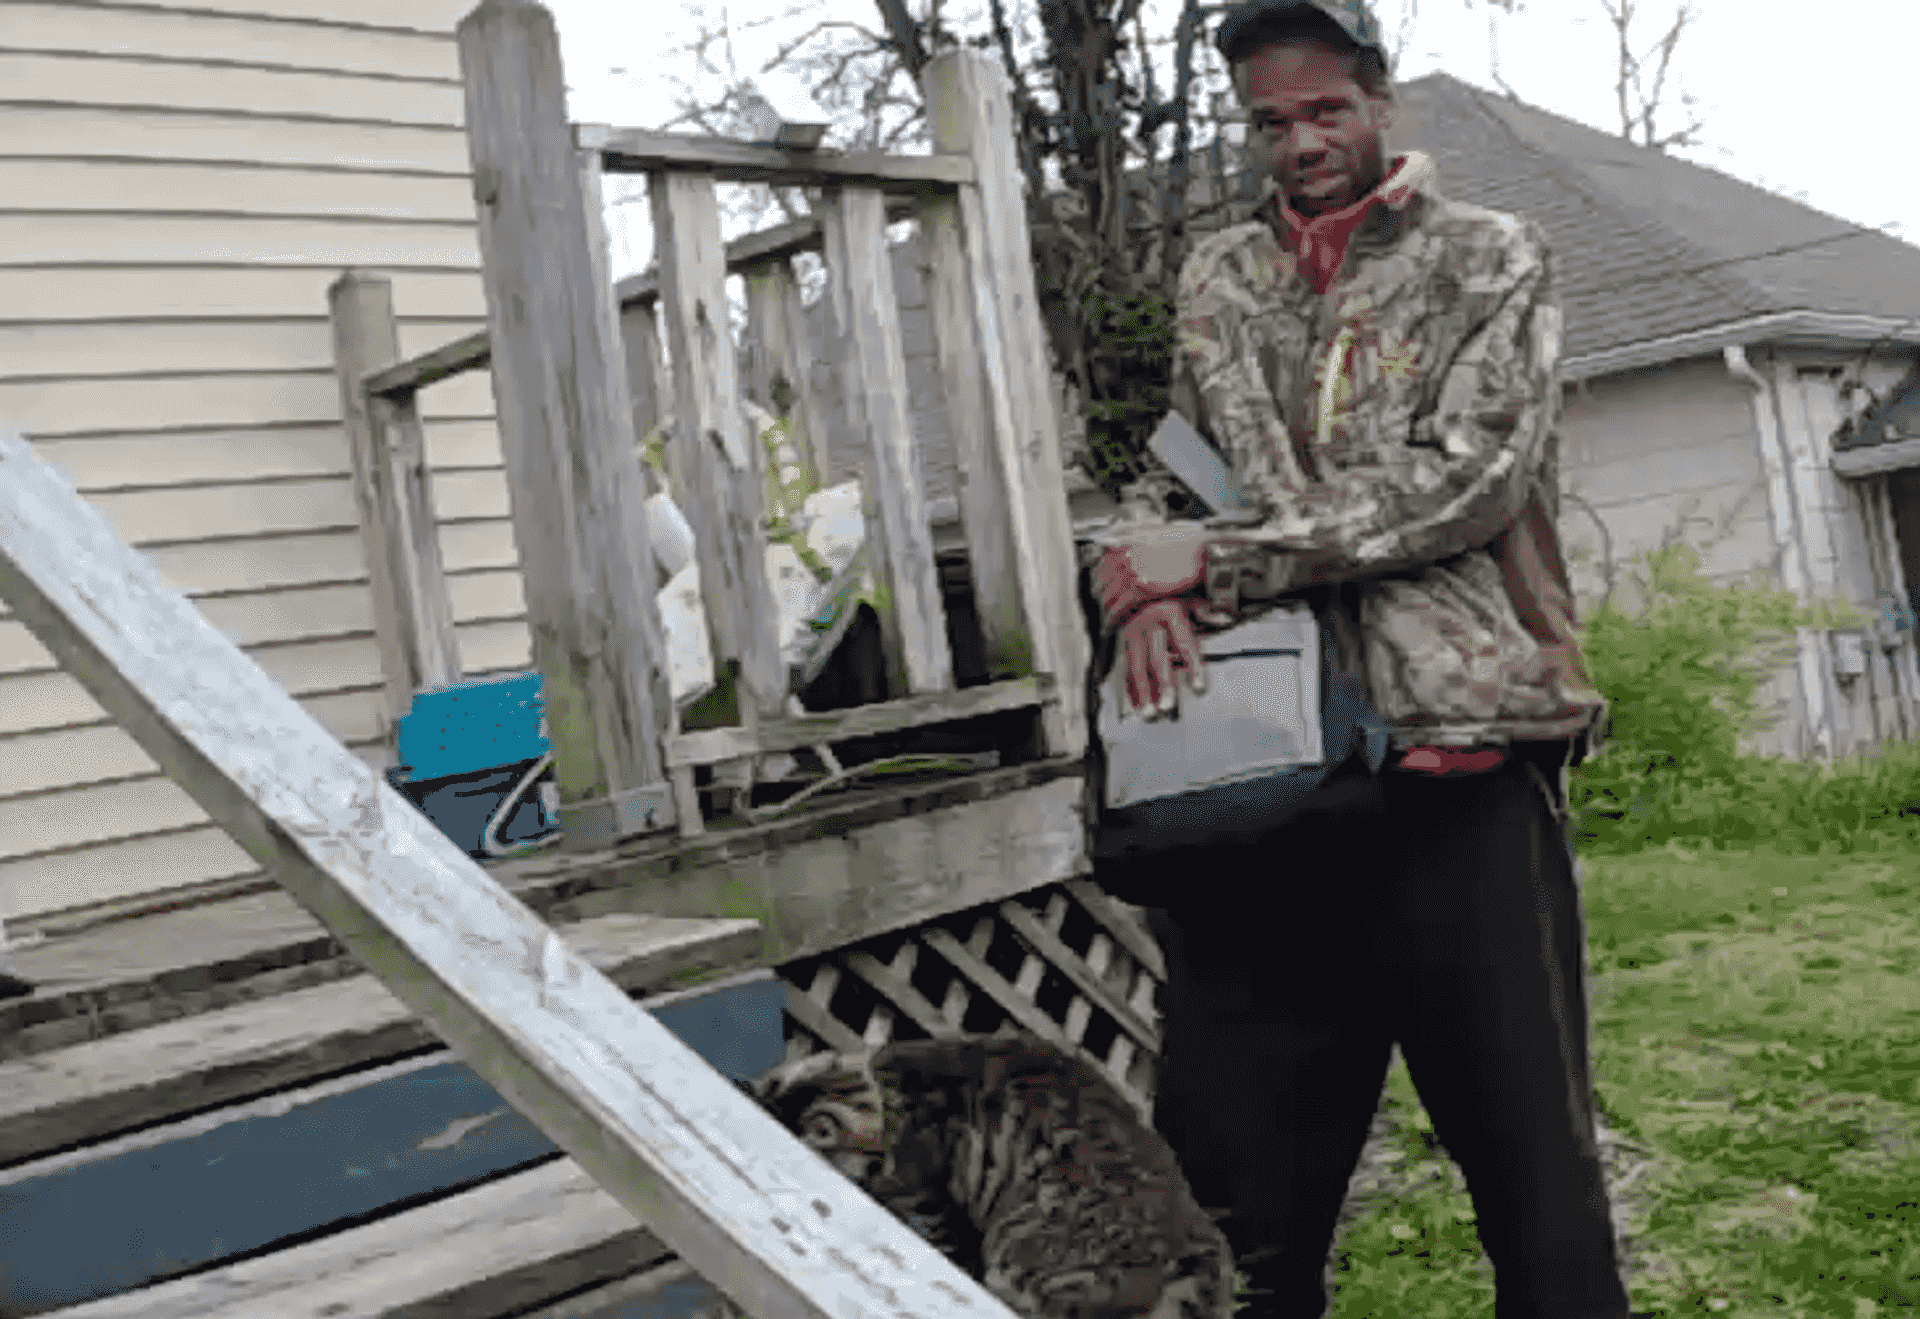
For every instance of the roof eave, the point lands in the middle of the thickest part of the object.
(1786, 329)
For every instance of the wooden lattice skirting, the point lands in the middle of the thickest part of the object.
(1065, 962)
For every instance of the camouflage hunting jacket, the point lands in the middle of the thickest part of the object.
(1398, 431)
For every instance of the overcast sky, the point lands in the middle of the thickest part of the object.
(1797, 105)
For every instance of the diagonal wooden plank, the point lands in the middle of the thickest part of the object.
(729, 1189)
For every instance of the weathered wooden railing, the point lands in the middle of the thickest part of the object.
(573, 363)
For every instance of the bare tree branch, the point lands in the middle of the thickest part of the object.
(874, 41)
(1639, 112)
(1409, 11)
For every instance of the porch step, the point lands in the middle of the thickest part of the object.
(56, 1100)
(130, 974)
(276, 1124)
(309, 1150)
(490, 1251)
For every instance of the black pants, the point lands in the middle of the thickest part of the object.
(1439, 913)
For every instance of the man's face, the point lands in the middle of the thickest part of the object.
(1318, 134)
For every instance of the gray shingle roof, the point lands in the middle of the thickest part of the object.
(1646, 244)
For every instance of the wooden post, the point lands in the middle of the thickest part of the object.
(712, 453)
(971, 114)
(873, 372)
(392, 488)
(978, 408)
(730, 1190)
(646, 374)
(777, 349)
(566, 426)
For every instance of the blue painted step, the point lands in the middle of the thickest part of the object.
(118, 1216)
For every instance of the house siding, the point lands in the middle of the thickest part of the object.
(1665, 455)
(178, 188)
(1661, 454)
(1674, 453)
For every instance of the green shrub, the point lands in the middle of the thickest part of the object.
(1681, 671)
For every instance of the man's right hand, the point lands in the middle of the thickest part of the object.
(1151, 646)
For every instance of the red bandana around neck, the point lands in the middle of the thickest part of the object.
(1320, 244)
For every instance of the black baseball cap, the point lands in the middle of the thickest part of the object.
(1244, 21)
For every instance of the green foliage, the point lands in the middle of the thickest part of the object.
(653, 451)
(1129, 357)
(1680, 673)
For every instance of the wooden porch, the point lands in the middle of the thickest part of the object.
(217, 1111)
(247, 1108)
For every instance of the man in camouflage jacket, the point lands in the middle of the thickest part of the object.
(1377, 364)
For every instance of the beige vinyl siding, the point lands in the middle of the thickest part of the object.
(1673, 451)
(178, 188)
(82, 185)
(104, 292)
(436, 16)
(166, 33)
(1658, 451)
(187, 135)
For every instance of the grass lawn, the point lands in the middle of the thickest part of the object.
(1757, 1048)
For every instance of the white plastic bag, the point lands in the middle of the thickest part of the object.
(835, 524)
(797, 593)
(689, 646)
(669, 534)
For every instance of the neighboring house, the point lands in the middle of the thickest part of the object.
(179, 184)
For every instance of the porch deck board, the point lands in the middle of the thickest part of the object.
(491, 1250)
(91, 1091)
